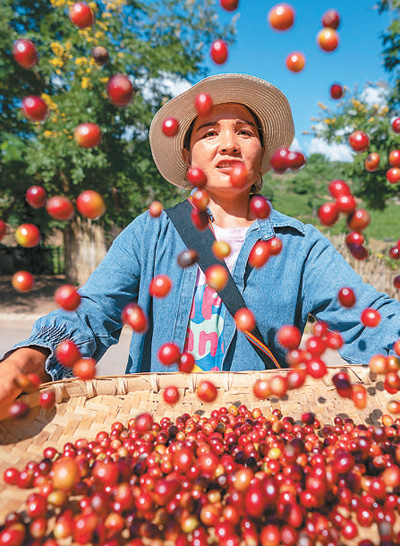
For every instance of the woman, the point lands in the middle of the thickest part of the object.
(250, 120)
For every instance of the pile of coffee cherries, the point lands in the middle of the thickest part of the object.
(235, 478)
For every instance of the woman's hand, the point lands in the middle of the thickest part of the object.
(21, 361)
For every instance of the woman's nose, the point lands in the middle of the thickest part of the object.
(228, 141)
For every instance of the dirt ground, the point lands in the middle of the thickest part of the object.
(40, 300)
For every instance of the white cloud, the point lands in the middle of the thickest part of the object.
(169, 84)
(375, 94)
(332, 151)
(296, 146)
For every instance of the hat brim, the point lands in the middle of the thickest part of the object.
(268, 103)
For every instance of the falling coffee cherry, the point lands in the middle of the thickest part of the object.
(370, 317)
(244, 320)
(196, 177)
(36, 197)
(354, 238)
(91, 204)
(170, 127)
(203, 104)
(371, 162)
(396, 125)
(134, 316)
(259, 254)
(25, 53)
(47, 399)
(229, 5)
(67, 297)
(338, 187)
(120, 90)
(393, 175)
(328, 214)
(169, 354)
(281, 17)
(289, 337)
(22, 281)
(359, 220)
(217, 277)
(206, 391)
(396, 282)
(60, 208)
(187, 258)
(85, 368)
(27, 235)
(87, 135)
(155, 209)
(81, 15)
(160, 286)
(295, 61)
(221, 249)
(328, 39)
(394, 158)
(359, 141)
(100, 55)
(186, 362)
(336, 91)
(260, 207)
(295, 160)
(67, 353)
(34, 108)
(18, 410)
(3, 229)
(239, 175)
(279, 160)
(331, 19)
(171, 395)
(346, 297)
(200, 199)
(219, 52)
(199, 218)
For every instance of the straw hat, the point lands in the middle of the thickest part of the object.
(268, 103)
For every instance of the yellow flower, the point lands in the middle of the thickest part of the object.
(120, 54)
(53, 119)
(93, 6)
(57, 48)
(103, 80)
(47, 134)
(322, 106)
(50, 103)
(101, 25)
(65, 131)
(79, 61)
(56, 62)
(68, 45)
(85, 83)
(327, 121)
(107, 15)
(99, 35)
(371, 120)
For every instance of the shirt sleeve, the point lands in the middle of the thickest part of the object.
(96, 324)
(325, 273)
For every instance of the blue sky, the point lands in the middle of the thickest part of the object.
(262, 51)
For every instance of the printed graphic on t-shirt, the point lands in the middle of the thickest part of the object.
(204, 333)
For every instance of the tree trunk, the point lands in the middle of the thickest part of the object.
(84, 248)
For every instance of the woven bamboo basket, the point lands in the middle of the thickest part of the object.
(83, 408)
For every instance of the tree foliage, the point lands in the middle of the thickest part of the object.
(148, 40)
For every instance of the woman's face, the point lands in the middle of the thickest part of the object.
(219, 140)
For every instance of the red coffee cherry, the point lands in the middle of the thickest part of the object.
(346, 297)
(370, 317)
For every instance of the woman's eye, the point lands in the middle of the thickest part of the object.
(246, 132)
(211, 132)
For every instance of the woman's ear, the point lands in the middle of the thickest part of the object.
(186, 157)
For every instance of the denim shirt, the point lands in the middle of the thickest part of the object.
(304, 278)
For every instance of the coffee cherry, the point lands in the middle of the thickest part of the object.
(274, 246)
(201, 199)
(346, 203)
(23, 281)
(259, 254)
(396, 125)
(84, 368)
(262, 389)
(331, 19)
(206, 391)
(217, 277)
(186, 362)
(359, 396)
(295, 61)
(346, 297)
(354, 238)
(171, 395)
(336, 91)
(34, 108)
(143, 422)
(134, 316)
(260, 207)
(239, 175)
(244, 320)
(370, 317)
(155, 209)
(18, 410)
(170, 127)
(100, 55)
(25, 53)
(196, 177)
(279, 160)
(199, 219)
(316, 368)
(393, 175)
(67, 297)
(64, 473)
(203, 104)
(160, 286)
(359, 220)
(67, 353)
(296, 160)
(120, 90)
(281, 17)
(81, 15)
(328, 39)
(169, 354)
(229, 5)
(47, 399)
(220, 249)
(396, 282)
(289, 337)
(187, 258)
(219, 52)
(328, 214)
(359, 141)
(371, 162)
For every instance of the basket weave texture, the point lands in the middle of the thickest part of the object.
(83, 408)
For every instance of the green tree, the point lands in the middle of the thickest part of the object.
(356, 113)
(149, 40)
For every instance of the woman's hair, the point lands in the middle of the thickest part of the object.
(256, 187)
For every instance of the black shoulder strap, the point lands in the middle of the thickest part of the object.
(201, 241)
